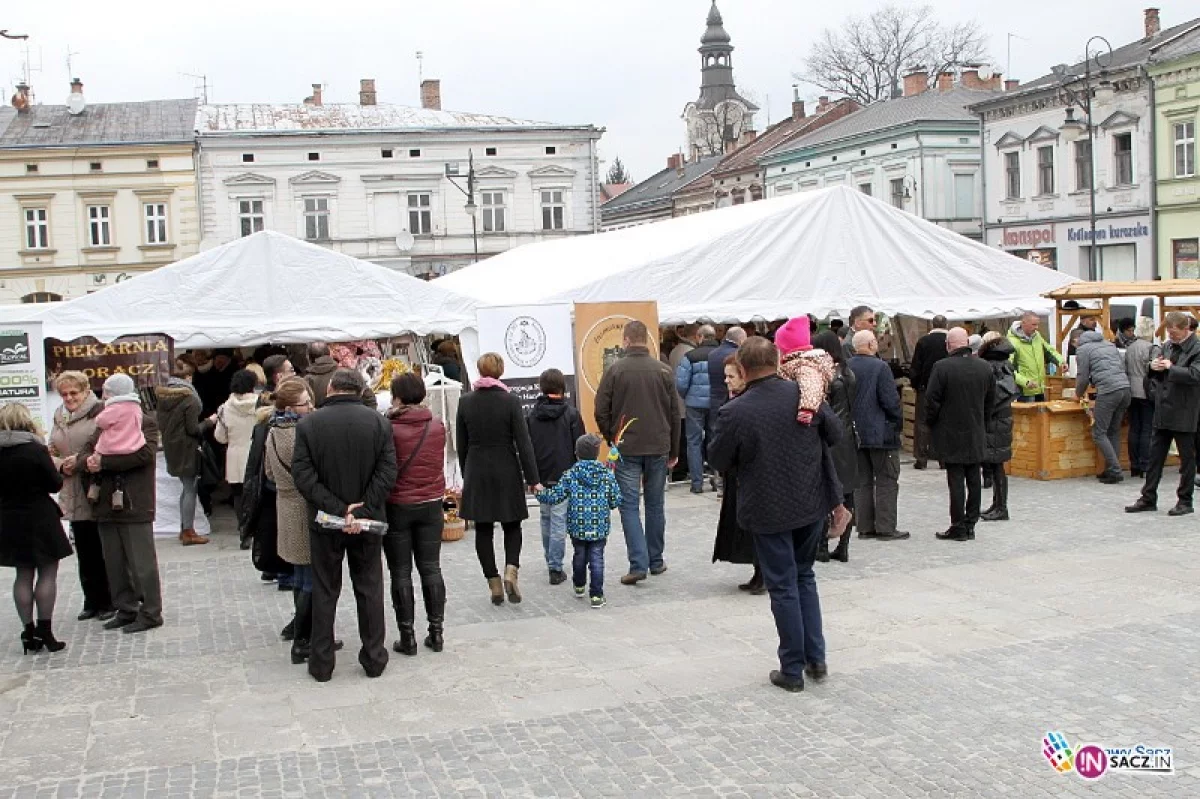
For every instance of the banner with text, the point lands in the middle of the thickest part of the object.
(147, 359)
(599, 332)
(531, 339)
(22, 367)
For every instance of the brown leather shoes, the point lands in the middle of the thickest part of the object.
(190, 538)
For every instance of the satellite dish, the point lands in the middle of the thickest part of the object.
(986, 72)
(76, 103)
(404, 241)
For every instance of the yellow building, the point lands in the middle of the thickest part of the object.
(1175, 69)
(91, 195)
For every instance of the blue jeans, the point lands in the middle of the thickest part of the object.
(554, 534)
(786, 562)
(589, 556)
(697, 428)
(645, 545)
(187, 502)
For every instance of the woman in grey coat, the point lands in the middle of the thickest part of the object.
(1138, 356)
(1099, 364)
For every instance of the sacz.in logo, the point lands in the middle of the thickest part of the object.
(1091, 761)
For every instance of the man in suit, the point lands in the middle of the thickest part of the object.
(787, 487)
(930, 349)
(961, 390)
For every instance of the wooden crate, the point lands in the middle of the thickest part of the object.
(908, 406)
(1053, 441)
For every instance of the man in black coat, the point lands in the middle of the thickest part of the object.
(930, 349)
(1174, 385)
(345, 465)
(787, 487)
(961, 392)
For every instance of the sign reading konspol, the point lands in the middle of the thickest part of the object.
(147, 359)
(22, 367)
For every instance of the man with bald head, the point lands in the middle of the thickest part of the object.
(961, 390)
(878, 420)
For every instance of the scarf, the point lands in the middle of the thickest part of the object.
(286, 418)
(123, 398)
(488, 382)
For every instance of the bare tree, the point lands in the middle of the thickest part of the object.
(713, 130)
(867, 58)
(617, 173)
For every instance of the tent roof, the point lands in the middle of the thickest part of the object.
(820, 252)
(263, 288)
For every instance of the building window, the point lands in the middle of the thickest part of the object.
(1045, 162)
(414, 153)
(1012, 176)
(1186, 257)
(41, 296)
(785, 188)
(316, 218)
(897, 192)
(1123, 158)
(387, 153)
(490, 151)
(99, 226)
(493, 212)
(865, 188)
(247, 158)
(1083, 165)
(314, 156)
(95, 166)
(37, 229)
(156, 223)
(31, 169)
(1185, 149)
(152, 163)
(551, 150)
(420, 213)
(250, 216)
(964, 197)
(553, 210)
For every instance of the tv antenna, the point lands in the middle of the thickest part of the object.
(201, 87)
(27, 69)
(1008, 65)
(70, 53)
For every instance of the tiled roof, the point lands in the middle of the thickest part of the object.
(776, 136)
(268, 118)
(661, 186)
(929, 106)
(1185, 44)
(152, 122)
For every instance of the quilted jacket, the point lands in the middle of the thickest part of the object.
(591, 494)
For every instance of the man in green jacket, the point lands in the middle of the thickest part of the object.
(1029, 358)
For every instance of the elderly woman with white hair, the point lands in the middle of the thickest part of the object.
(1138, 356)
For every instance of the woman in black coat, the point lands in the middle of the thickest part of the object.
(31, 534)
(842, 391)
(498, 463)
(735, 544)
(999, 422)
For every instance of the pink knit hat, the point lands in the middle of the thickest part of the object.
(794, 336)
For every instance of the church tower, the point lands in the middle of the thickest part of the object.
(720, 116)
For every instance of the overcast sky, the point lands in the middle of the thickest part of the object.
(626, 65)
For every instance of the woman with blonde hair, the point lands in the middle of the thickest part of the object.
(31, 536)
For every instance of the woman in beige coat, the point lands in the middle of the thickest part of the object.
(235, 429)
(74, 426)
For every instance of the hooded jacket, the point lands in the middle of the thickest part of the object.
(1029, 359)
(70, 433)
(999, 422)
(1099, 363)
(591, 493)
(318, 376)
(421, 473)
(554, 427)
(235, 429)
(178, 416)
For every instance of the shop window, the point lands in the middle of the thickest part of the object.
(1185, 255)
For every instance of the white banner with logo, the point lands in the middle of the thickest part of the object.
(23, 367)
(531, 339)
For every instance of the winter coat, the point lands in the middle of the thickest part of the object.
(591, 493)
(319, 373)
(554, 427)
(212, 387)
(692, 378)
(291, 511)
(420, 473)
(254, 480)
(718, 392)
(786, 478)
(133, 474)
(681, 349)
(1176, 391)
(1029, 359)
(30, 531)
(998, 448)
(451, 368)
(344, 455)
(877, 414)
(178, 413)
(642, 388)
(930, 349)
(1098, 362)
(235, 428)
(1138, 356)
(496, 456)
(70, 433)
(960, 395)
(842, 392)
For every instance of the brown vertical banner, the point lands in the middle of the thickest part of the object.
(147, 359)
(599, 329)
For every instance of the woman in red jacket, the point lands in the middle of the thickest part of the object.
(414, 513)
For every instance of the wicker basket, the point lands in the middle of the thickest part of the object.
(454, 530)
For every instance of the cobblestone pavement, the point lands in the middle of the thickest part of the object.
(948, 661)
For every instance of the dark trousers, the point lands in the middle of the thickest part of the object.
(364, 554)
(999, 485)
(93, 578)
(966, 489)
(786, 560)
(415, 533)
(920, 431)
(485, 548)
(1141, 433)
(879, 489)
(1160, 448)
(589, 556)
(132, 565)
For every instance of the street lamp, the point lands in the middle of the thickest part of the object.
(471, 208)
(1100, 52)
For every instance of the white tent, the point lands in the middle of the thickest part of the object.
(820, 252)
(263, 288)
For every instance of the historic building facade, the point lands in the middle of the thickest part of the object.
(1175, 70)
(720, 117)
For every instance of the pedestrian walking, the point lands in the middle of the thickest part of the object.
(877, 421)
(997, 352)
(178, 414)
(554, 427)
(692, 381)
(1100, 365)
(930, 349)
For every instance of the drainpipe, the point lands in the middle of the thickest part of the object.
(595, 196)
(921, 170)
(1154, 265)
(982, 183)
(199, 194)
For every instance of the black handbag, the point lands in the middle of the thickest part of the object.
(209, 465)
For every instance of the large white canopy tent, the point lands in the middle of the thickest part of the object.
(820, 252)
(267, 287)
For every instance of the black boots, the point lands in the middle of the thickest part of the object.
(435, 610)
(405, 606)
(404, 603)
(46, 635)
(998, 512)
(842, 552)
(30, 642)
(288, 633)
(302, 628)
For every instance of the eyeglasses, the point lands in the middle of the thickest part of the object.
(301, 405)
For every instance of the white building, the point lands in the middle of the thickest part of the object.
(389, 183)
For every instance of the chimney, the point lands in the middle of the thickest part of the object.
(431, 94)
(76, 86)
(366, 91)
(822, 104)
(748, 136)
(1011, 84)
(916, 81)
(945, 82)
(675, 161)
(315, 100)
(970, 78)
(1153, 25)
(20, 100)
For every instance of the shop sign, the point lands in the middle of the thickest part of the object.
(1028, 237)
(1109, 232)
(147, 359)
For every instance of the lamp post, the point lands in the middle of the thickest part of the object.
(471, 208)
(1098, 52)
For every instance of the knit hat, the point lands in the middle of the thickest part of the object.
(119, 385)
(975, 341)
(794, 336)
(587, 448)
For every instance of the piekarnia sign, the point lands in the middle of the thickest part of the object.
(147, 359)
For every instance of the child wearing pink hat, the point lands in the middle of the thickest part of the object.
(810, 369)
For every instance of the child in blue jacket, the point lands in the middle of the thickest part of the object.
(591, 494)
